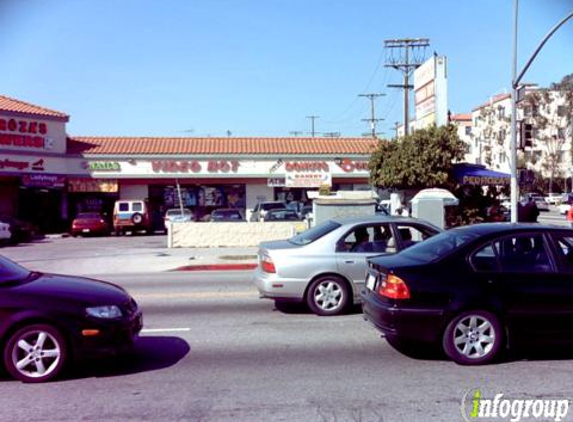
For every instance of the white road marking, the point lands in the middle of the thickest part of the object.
(164, 330)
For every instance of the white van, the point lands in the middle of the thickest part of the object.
(131, 215)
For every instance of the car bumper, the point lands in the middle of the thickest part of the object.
(420, 324)
(272, 286)
(114, 337)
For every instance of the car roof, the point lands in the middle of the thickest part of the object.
(501, 228)
(376, 219)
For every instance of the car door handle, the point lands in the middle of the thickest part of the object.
(349, 261)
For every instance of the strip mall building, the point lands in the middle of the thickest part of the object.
(47, 176)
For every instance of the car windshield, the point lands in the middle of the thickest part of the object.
(310, 235)
(273, 206)
(10, 271)
(438, 246)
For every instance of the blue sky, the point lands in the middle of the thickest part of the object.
(258, 68)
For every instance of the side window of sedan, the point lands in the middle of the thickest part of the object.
(523, 253)
(410, 235)
(485, 259)
(565, 251)
(368, 239)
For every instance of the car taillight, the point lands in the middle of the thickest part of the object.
(267, 264)
(394, 288)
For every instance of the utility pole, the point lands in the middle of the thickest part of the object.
(406, 64)
(296, 133)
(372, 97)
(395, 128)
(312, 118)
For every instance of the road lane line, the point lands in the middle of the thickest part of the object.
(196, 295)
(164, 330)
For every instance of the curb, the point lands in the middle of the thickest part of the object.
(217, 267)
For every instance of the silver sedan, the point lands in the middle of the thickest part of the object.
(325, 266)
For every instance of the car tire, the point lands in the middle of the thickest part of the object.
(328, 295)
(137, 218)
(35, 353)
(473, 338)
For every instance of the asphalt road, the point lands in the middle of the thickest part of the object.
(213, 351)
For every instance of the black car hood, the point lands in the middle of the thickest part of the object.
(77, 289)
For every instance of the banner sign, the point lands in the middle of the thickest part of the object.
(92, 185)
(43, 181)
(307, 180)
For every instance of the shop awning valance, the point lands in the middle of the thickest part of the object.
(479, 175)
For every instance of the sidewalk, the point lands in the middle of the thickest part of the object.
(111, 255)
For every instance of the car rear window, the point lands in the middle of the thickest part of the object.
(89, 215)
(137, 206)
(438, 246)
(123, 206)
(310, 235)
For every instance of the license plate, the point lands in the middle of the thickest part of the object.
(85, 230)
(370, 282)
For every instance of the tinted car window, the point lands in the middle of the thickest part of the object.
(137, 206)
(485, 259)
(123, 206)
(524, 254)
(565, 251)
(439, 246)
(318, 231)
(10, 271)
(411, 235)
(272, 206)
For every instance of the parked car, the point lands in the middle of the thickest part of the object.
(131, 215)
(281, 215)
(540, 202)
(565, 203)
(473, 291)
(262, 208)
(226, 214)
(89, 223)
(553, 198)
(5, 233)
(47, 320)
(174, 215)
(325, 265)
(21, 231)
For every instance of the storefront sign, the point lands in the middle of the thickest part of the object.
(349, 166)
(43, 181)
(21, 165)
(195, 166)
(92, 185)
(276, 182)
(24, 133)
(103, 166)
(307, 180)
(307, 166)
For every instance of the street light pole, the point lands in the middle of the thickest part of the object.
(515, 85)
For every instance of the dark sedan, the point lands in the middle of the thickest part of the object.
(47, 319)
(475, 291)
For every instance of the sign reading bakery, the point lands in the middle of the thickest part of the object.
(18, 133)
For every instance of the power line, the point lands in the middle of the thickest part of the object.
(296, 133)
(406, 64)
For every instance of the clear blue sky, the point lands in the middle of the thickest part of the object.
(257, 68)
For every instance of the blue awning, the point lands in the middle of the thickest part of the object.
(476, 174)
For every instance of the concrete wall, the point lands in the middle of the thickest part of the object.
(206, 235)
(133, 191)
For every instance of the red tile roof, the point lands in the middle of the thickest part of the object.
(17, 106)
(461, 117)
(219, 146)
(493, 100)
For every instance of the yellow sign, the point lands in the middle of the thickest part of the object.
(93, 185)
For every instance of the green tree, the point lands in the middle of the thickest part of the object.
(420, 160)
